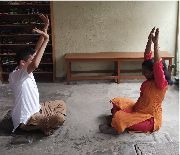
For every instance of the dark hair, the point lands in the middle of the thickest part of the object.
(24, 55)
(167, 74)
(148, 64)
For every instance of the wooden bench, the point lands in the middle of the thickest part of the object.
(115, 57)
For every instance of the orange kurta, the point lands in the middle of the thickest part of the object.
(148, 105)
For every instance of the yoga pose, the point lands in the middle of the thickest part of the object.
(28, 113)
(144, 115)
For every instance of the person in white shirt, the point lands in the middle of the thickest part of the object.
(28, 113)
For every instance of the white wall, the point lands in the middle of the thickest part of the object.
(93, 26)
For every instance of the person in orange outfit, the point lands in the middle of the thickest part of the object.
(144, 115)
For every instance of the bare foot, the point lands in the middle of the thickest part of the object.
(104, 128)
(109, 119)
(48, 132)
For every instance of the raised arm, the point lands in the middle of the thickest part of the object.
(156, 46)
(148, 52)
(159, 76)
(38, 55)
(45, 20)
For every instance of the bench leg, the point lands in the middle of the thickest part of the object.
(118, 71)
(68, 65)
(170, 66)
(115, 70)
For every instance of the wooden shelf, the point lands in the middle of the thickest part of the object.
(24, 5)
(16, 35)
(13, 54)
(43, 72)
(9, 63)
(33, 72)
(4, 72)
(20, 25)
(47, 53)
(7, 54)
(20, 44)
(44, 63)
(12, 35)
(22, 14)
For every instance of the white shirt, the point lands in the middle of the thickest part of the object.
(26, 96)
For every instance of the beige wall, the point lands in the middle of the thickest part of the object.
(110, 26)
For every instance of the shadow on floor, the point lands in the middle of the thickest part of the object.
(105, 119)
(19, 136)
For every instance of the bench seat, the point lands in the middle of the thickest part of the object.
(115, 57)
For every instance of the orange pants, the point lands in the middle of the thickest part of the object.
(145, 126)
